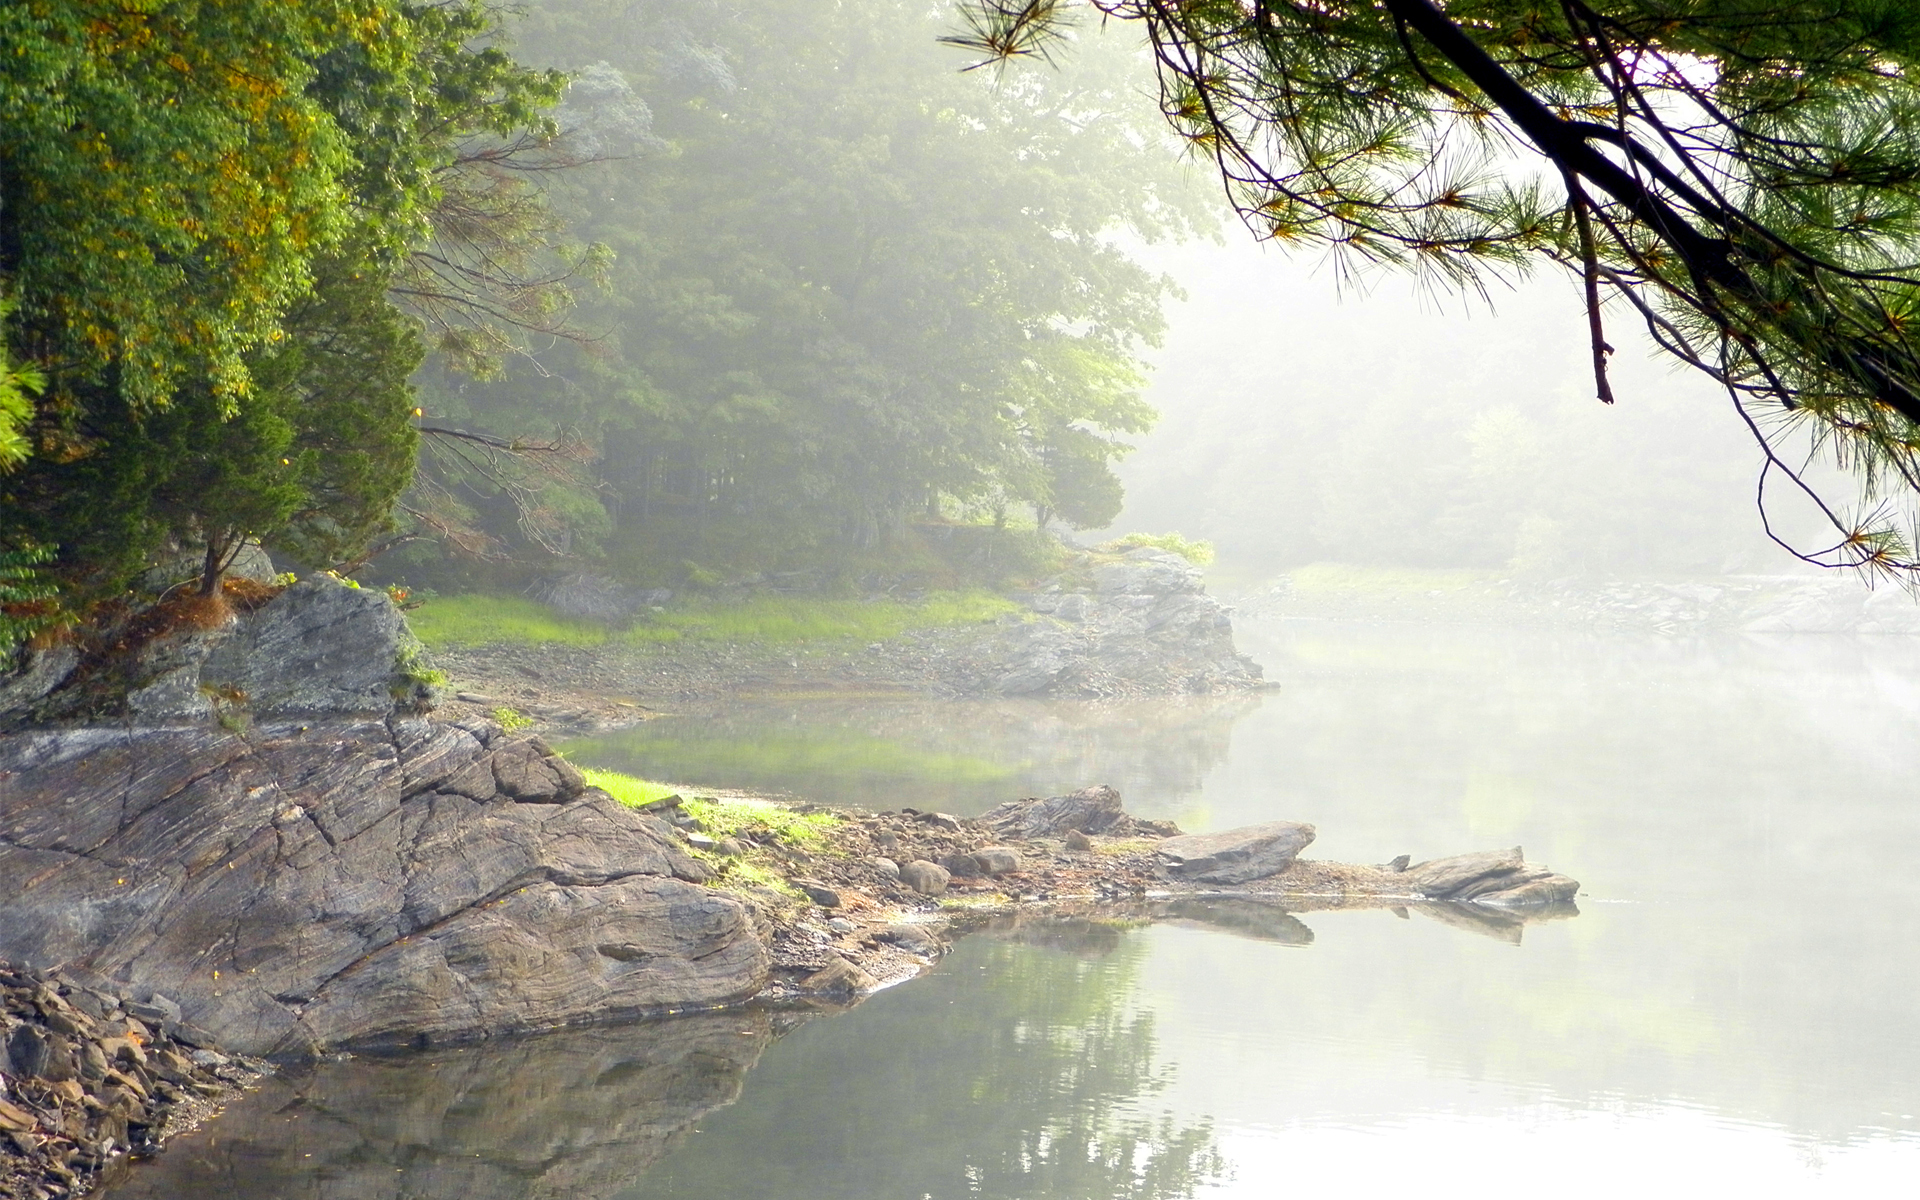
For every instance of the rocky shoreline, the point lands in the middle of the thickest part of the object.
(90, 1078)
(1139, 626)
(295, 890)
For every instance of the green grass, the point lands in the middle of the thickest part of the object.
(627, 789)
(485, 620)
(474, 620)
(1199, 553)
(722, 817)
(731, 819)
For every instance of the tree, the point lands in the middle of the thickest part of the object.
(847, 283)
(1745, 180)
(203, 210)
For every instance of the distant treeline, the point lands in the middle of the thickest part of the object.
(725, 282)
(848, 287)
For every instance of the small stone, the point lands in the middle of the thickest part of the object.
(730, 848)
(929, 879)
(701, 841)
(839, 976)
(1077, 840)
(914, 939)
(940, 820)
(997, 860)
(886, 839)
(841, 925)
(962, 866)
(885, 866)
(208, 1058)
(818, 892)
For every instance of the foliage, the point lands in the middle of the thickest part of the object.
(1199, 553)
(26, 598)
(511, 720)
(19, 383)
(472, 620)
(1745, 181)
(761, 819)
(206, 210)
(849, 284)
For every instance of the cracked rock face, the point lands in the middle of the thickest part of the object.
(354, 883)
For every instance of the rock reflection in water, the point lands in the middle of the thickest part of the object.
(571, 1115)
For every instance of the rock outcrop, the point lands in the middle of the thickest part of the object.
(1235, 855)
(1087, 811)
(1146, 625)
(350, 883)
(1502, 878)
(318, 649)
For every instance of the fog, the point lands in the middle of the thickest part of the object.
(1309, 418)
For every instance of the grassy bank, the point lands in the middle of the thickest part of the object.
(478, 620)
(755, 824)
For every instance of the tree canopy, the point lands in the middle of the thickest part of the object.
(1743, 179)
(849, 284)
(205, 212)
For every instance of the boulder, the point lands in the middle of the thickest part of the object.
(1496, 877)
(353, 883)
(1235, 855)
(993, 861)
(885, 866)
(818, 892)
(321, 648)
(1077, 840)
(929, 879)
(1147, 626)
(839, 977)
(1089, 810)
(914, 939)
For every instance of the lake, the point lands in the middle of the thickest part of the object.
(1732, 1011)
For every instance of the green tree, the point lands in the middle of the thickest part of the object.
(1745, 180)
(206, 214)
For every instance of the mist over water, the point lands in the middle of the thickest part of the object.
(1731, 1007)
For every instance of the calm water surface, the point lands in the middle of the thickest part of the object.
(1732, 1012)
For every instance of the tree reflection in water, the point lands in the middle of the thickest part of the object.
(1023, 1069)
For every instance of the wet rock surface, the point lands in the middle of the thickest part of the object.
(354, 883)
(90, 1077)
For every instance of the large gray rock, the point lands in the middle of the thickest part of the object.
(319, 649)
(322, 648)
(1235, 855)
(1496, 877)
(353, 883)
(1089, 810)
(1146, 626)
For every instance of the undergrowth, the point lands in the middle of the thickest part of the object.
(476, 619)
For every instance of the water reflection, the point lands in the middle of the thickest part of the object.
(957, 756)
(1732, 1011)
(574, 1115)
